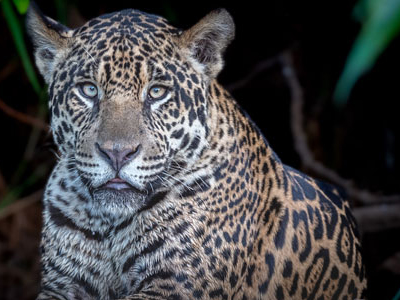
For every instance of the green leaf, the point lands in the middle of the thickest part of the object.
(21, 5)
(18, 37)
(381, 24)
(397, 296)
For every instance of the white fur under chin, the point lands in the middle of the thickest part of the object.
(124, 202)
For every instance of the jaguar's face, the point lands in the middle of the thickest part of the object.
(128, 99)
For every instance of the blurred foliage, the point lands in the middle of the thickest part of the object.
(61, 7)
(14, 23)
(17, 33)
(380, 24)
(21, 5)
(397, 296)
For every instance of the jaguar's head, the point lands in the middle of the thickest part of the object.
(129, 96)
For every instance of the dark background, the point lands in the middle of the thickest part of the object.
(360, 141)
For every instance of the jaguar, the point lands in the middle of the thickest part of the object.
(164, 188)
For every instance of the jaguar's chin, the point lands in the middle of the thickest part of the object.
(129, 199)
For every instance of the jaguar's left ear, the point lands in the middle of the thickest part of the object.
(206, 41)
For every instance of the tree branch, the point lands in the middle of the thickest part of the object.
(260, 67)
(377, 217)
(24, 118)
(302, 148)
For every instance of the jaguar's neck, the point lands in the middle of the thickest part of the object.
(236, 143)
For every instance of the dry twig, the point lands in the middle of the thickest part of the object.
(306, 155)
(260, 67)
(24, 118)
(377, 217)
(21, 204)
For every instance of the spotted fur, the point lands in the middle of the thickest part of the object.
(211, 212)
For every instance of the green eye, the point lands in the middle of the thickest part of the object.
(157, 92)
(89, 90)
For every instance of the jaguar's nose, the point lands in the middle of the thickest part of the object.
(117, 157)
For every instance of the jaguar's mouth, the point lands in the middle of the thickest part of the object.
(118, 184)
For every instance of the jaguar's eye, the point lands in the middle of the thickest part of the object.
(89, 90)
(157, 92)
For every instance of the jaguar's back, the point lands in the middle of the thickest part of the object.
(164, 188)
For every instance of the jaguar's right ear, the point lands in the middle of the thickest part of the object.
(49, 39)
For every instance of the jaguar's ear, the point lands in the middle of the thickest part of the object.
(206, 41)
(48, 37)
